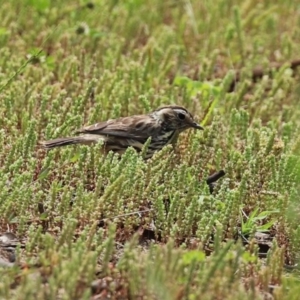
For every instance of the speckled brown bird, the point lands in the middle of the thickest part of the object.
(162, 125)
(8, 243)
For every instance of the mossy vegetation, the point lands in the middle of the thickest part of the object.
(86, 226)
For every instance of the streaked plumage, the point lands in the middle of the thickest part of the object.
(162, 125)
(8, 243)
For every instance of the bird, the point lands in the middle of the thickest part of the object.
(7, 257)
(162, 125)
(8, 243)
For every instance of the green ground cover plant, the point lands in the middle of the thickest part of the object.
(87, 226)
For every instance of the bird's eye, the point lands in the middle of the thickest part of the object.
(181, 116)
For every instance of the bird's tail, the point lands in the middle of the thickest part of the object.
(60, 142)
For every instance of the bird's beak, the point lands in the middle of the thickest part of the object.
(197, 126)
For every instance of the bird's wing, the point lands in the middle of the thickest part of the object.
(135, 127)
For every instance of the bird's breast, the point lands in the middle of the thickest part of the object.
(166, 136)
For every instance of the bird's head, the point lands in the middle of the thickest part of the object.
(174, 117)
